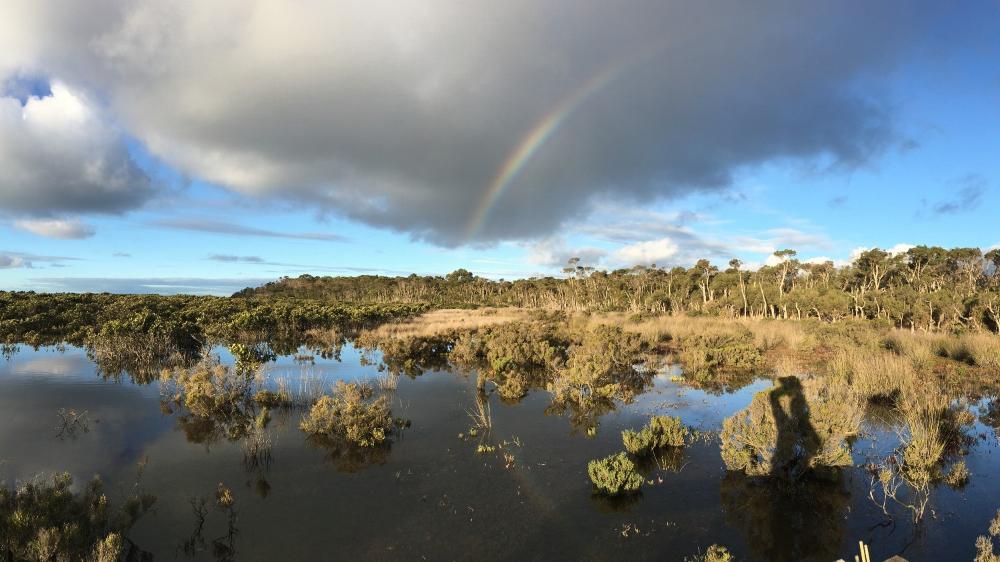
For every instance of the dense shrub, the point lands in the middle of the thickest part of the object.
(614, 475)
(351, 415)
(45, 520)
(704, 355)
(794, 427)
(661, 431)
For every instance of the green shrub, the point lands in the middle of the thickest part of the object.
(661, 431)
(45, 520)
(614, 475)
(271, 399)
(704, 355)
(793, 427)
(714, 553)
(602, 365)
(350, 415)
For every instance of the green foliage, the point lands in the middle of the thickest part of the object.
(516, 356)
(602, 364)
(928, 288)
(350, 415)
(45, 520)
(614, 475)
(793, 428)
(714, 553)
(704, 355)
(661, 431)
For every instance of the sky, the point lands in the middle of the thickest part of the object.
(182, 146)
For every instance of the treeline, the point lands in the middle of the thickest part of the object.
(924, 288)
(187, 323)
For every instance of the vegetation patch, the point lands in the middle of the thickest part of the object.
(45, 520)
(661, 431)
(614, 475)
(793, 428)
(351, 415)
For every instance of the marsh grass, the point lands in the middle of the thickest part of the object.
(441, 321)
(933, 435)
(875, 374)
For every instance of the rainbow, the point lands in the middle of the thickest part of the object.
(543, 130)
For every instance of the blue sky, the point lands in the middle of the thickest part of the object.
(142, 165)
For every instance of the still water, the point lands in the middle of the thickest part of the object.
(432, 496)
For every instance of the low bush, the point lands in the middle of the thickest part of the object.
(714, 553)
(272, 399)
(352, 415)
(661, 431)
(792, 428)
(46, 520)
(602, 364)
(704, 355)
(614, 475)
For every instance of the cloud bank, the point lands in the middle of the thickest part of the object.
(412, 116)
(59, 155)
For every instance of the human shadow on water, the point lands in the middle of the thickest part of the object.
(787, 521)
(797, 441)
(783, 493)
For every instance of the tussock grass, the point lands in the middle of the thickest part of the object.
(874, 373)
(984, 350)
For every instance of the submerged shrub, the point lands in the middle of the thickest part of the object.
(272, 399)
(661, 431)
(614, 475)
(351, 415)
(984, 544)
(714, 553)
(794, 427)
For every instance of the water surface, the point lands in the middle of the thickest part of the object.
(431, 496)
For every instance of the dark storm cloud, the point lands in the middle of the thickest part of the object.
(403, 114)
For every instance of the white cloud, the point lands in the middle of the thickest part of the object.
(649, 252)
(10, 262)
(58, 154)
(555, 252)
(65, 229)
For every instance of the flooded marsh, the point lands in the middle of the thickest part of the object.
(487, 442)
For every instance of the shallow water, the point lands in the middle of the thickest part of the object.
(432, 496)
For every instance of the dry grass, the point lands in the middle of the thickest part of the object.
(984, 349)
(448, 320)
(874, 373)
